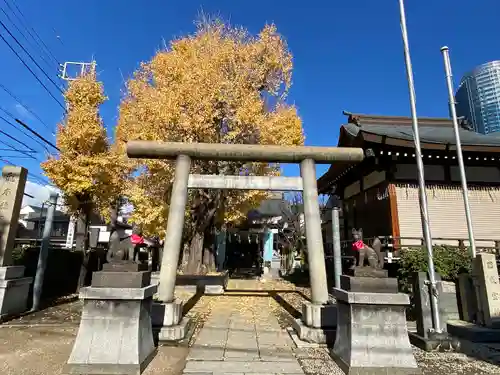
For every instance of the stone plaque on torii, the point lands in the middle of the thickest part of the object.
(319, 315)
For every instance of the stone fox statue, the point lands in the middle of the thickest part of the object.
(374, 253)
(120, 247)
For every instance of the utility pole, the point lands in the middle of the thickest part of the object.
(424, 212)
(80, 67)
(44, 252)
(337, 252)
(460, 157)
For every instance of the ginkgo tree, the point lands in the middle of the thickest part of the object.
(218, 85)
(85, 170)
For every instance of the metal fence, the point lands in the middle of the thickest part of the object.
(392, 246)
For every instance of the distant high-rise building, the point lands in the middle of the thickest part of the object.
(478, 98)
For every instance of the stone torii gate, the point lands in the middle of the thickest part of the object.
(314, 313)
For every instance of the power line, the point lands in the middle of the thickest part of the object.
(18, 129)
(40, 179)
(31, 57)
(17, 150)
(32, 175)
(26, 38)
(25, 106)
(16, 156)
(33, 73)
(32, 28)
(16, 140)
(6, 149)
(49, 53)
(36, 134)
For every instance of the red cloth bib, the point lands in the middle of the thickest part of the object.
(136, 239)
(358, 245)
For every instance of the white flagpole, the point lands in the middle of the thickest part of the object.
(424, 213)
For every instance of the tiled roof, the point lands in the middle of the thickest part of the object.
(361, 128)
(432, 130)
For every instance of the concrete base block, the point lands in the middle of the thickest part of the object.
(300, 343)
(372, 336)
(14, 290)
(433, 342)
(155, 278)
(485, 351)
(319, 316)
(176, 332)
(473, 332)
(313, 335)
(100, 347)
(166, 314)
(214, 290)
(109, 369)
(11, 272)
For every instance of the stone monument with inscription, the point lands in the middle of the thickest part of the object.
(14, 287)
(486, 327)
(115, 334)
(488, 289)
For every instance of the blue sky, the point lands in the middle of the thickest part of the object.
(347, 54)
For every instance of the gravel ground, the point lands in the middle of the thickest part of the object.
(40, 343)
(44, 351)
(67, 311)
(317, 361)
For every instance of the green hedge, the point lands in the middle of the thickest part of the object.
(449, 262)
(61, 275)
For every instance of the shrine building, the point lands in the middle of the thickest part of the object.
(380, 195)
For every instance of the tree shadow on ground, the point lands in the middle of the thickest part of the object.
(296, 314)
(191, 302)
(244, 274)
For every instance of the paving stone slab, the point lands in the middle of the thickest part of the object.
(206, 354)
(241, 356)
(279, 339)
(271, 351)
(209, 337)
(256, 367)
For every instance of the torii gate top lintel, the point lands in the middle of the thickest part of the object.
(243, 152)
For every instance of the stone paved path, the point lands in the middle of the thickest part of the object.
(238, 339)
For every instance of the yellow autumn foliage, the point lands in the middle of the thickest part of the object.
(218, 85)
(85, 170)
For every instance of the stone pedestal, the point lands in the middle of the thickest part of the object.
(115, 334)
(372, 337)
(369, 284)
(318, 323)
(14, 290)
(366, 271)
(168, 320)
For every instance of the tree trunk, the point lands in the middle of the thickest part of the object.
(209, 254)
(195, 255)
(200, 259)
(200, 255)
